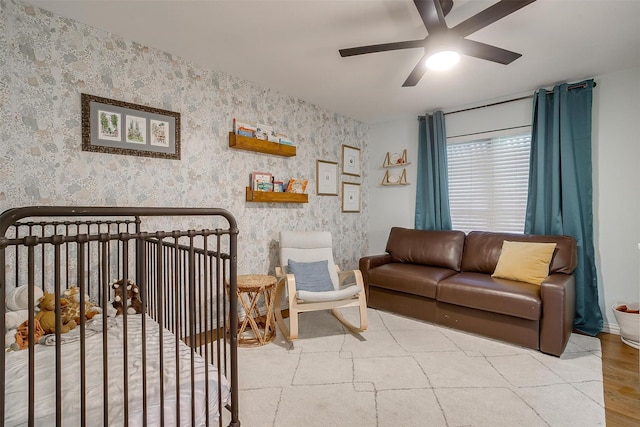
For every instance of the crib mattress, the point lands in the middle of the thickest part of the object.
(16, 389)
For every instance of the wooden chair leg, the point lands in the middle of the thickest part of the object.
(278, 311)
(293, 324)
(364, 320)
(349, 325)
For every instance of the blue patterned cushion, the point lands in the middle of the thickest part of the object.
(311, 276)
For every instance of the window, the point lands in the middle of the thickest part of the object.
(488, 182)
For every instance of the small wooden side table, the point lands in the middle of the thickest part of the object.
(253, 331)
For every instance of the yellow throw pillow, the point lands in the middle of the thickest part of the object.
(524, 261)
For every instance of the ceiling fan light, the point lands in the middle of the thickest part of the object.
(442, 61)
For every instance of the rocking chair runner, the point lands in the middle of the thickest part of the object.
(309, 250)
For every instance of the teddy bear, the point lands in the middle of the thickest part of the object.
(134, 304)
(47, 315)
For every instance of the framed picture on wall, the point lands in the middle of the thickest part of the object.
(326, 178)
(118, 127)
(350, 160)
(350, 197)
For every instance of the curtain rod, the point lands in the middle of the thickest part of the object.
(574, 86)
(484, 131)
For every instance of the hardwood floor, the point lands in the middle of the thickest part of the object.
(621, 378)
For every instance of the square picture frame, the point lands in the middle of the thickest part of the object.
(326, 178)
(350, 197)
(118, 127)
(350, 160)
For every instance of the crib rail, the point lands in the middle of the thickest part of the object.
(181, 276)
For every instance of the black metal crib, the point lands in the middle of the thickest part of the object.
(169, 360)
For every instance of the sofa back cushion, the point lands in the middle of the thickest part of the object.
(426, 247)
(482, 250)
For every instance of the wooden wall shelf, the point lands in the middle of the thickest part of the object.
(275, 197)
(395, 179)
(260, 146)
(395, 160)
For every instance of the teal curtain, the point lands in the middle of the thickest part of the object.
(432, 193)
(560, 185)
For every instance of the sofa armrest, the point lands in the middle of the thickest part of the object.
(373, 261)
(558, 295)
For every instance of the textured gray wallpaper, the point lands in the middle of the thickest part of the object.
(47, 61)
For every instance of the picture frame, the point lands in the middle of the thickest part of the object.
(350, 197)
(350, 160)
(118, 127)
(326, 178)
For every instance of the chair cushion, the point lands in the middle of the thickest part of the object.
(344, 293)
(311, 276)
(524, 261)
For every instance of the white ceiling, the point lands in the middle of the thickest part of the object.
(292, 46)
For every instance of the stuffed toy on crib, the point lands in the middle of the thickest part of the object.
(134, 303)
(47, 315)
(17, 313)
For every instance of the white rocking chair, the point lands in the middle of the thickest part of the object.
(343, 289)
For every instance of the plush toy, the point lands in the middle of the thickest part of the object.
(71, 310)
(17, 298)
(47, 315)
(17, 304)
(134, 303)
(22, 335)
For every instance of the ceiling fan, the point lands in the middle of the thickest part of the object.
(442, 38)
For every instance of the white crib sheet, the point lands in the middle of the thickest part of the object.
(16, 390)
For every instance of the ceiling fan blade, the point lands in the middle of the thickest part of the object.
(489, 16)
(416, 74)
(432, 15)
(380, 47)
(486, 51)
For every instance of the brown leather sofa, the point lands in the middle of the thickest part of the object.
(444, 277)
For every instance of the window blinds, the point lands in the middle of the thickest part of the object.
(488, 182)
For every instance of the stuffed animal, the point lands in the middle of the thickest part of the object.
(134, 303)
(17, 304)
(47, 315)
(21, 336)
(17, 298)
(71, 310)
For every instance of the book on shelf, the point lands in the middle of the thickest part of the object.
(297, 185)
(261, 181)
(284, 139)
(243, 128)
(264, 131)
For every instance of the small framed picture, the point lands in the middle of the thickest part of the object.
(118, 127)
(326, 178)
(350, 197)
(350, 160)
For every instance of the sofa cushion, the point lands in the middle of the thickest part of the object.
(482, 250)
(413, 279)
(483, 292)
(427, 247)
(524, 261)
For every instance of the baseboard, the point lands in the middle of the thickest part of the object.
(611, 328)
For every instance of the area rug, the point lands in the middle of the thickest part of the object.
(404, 372)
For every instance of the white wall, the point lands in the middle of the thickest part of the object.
(391, 205)
(501, 118)
(616, 175)
(616, 161)
(48, 61)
